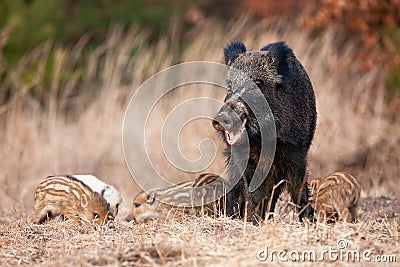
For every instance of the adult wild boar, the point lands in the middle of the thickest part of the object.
(276, 76)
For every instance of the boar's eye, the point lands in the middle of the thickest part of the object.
(137, 205)
(95, 215)
(259, 83)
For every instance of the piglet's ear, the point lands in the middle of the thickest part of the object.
(232, 51)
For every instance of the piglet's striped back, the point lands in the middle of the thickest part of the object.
(65, 195)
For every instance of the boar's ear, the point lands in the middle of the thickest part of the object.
(281, 56)
(232, 51)
(84, 200)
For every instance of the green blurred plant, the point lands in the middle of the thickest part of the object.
(64, 21)
(33, 32)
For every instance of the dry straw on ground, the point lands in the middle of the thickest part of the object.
(39, 140)
(199, 241)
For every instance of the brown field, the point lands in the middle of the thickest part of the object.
(38, 139)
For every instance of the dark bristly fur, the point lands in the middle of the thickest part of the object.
(232, 51)
(288, 90)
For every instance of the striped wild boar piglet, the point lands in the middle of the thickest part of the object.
(159, 203)
(65, 195)
(204, 195)
(336, 197)
(108, 192)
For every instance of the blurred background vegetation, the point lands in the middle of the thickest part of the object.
(68, 69)
(371, 26)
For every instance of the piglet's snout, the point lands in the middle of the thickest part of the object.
(110, 217)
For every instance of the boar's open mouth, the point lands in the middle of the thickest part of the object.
(232, 126)
(232, 136)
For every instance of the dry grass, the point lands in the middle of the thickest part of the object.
(194, 241)
(352, 135)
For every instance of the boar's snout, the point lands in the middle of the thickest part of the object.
(222, 121)
(231, 123)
